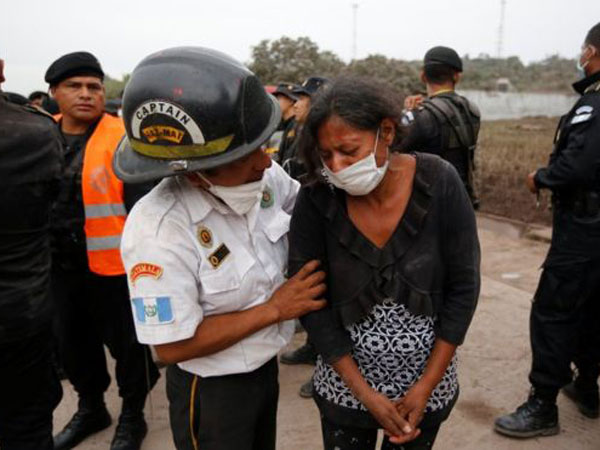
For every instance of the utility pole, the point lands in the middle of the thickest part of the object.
(354, 25)
(501, 28)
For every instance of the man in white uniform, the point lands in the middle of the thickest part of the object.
(206, 249)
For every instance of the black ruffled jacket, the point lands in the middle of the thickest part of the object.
(430, 263)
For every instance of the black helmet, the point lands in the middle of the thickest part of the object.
(191, 108)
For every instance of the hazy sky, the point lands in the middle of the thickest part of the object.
(33, 33)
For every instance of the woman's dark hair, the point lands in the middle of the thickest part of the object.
(360, 102)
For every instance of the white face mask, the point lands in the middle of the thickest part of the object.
(239, 198)
(361, 177)
(581, 67)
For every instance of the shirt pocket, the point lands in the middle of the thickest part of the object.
(278, 226)
(276, 230)
(222, 290)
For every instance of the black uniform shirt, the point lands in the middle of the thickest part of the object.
(424, 133)
(573, 175)
(575, 160)
(69, 247)
(30, 166)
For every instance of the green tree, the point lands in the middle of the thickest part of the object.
(114, 87)
(292, 60)
(402, 75)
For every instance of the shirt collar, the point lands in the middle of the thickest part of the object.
(199, 202)
(582, 85)
(442, 91)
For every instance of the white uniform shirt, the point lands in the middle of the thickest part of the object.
(188, 256)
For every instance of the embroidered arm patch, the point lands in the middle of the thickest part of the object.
(153, 310)
(582, 114)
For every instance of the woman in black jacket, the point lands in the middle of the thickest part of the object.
(397, 238)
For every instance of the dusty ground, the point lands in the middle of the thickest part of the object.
(493, 372)
(507, 150)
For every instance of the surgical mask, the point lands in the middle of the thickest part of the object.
(361, 177)
(239, 198)
(581, 67)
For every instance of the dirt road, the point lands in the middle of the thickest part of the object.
(494, 362)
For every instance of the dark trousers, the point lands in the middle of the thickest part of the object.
(29, 392)
(337, 437)
(94, 311)
(230, 412)
(565, 324)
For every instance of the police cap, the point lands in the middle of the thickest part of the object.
(286, 90)
(310, 86)
(443, 55)
(71, 65)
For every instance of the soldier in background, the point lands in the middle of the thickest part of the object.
(306, 354)
(30, 166)
(88, 277)
(565, 315)
(445, 123)
(38, 98)
(286, 100)
(289, 146)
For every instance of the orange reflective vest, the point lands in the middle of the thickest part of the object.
(105, 211)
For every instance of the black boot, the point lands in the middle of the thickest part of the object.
(302, 355)
(535, 417)
(131, 431)
(85, 422)
(307, 389)
(585, 397)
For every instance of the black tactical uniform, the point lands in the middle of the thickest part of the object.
(565, 318)
(289, 158)
(565, 315)
(289, 146)
(30, 165)
(447, 125)
(93, 309)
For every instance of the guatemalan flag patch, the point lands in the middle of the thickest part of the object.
(153, 310)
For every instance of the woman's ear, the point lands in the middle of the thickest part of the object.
(388, 131)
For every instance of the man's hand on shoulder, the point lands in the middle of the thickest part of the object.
(413, 101)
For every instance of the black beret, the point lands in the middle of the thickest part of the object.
(443, 55)
(71, 65)
(286, 89)
(310, 86)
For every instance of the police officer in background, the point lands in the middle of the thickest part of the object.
(283, 94)
(88, 278)
(444, 123)
(30, 166)
(286, 100)
(206, 249)
(289, 146)
(565, 315)
(305, 354)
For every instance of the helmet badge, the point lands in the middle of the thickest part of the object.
(164, 130)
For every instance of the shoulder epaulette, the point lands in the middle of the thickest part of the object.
(593, 88)
(37, 110)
